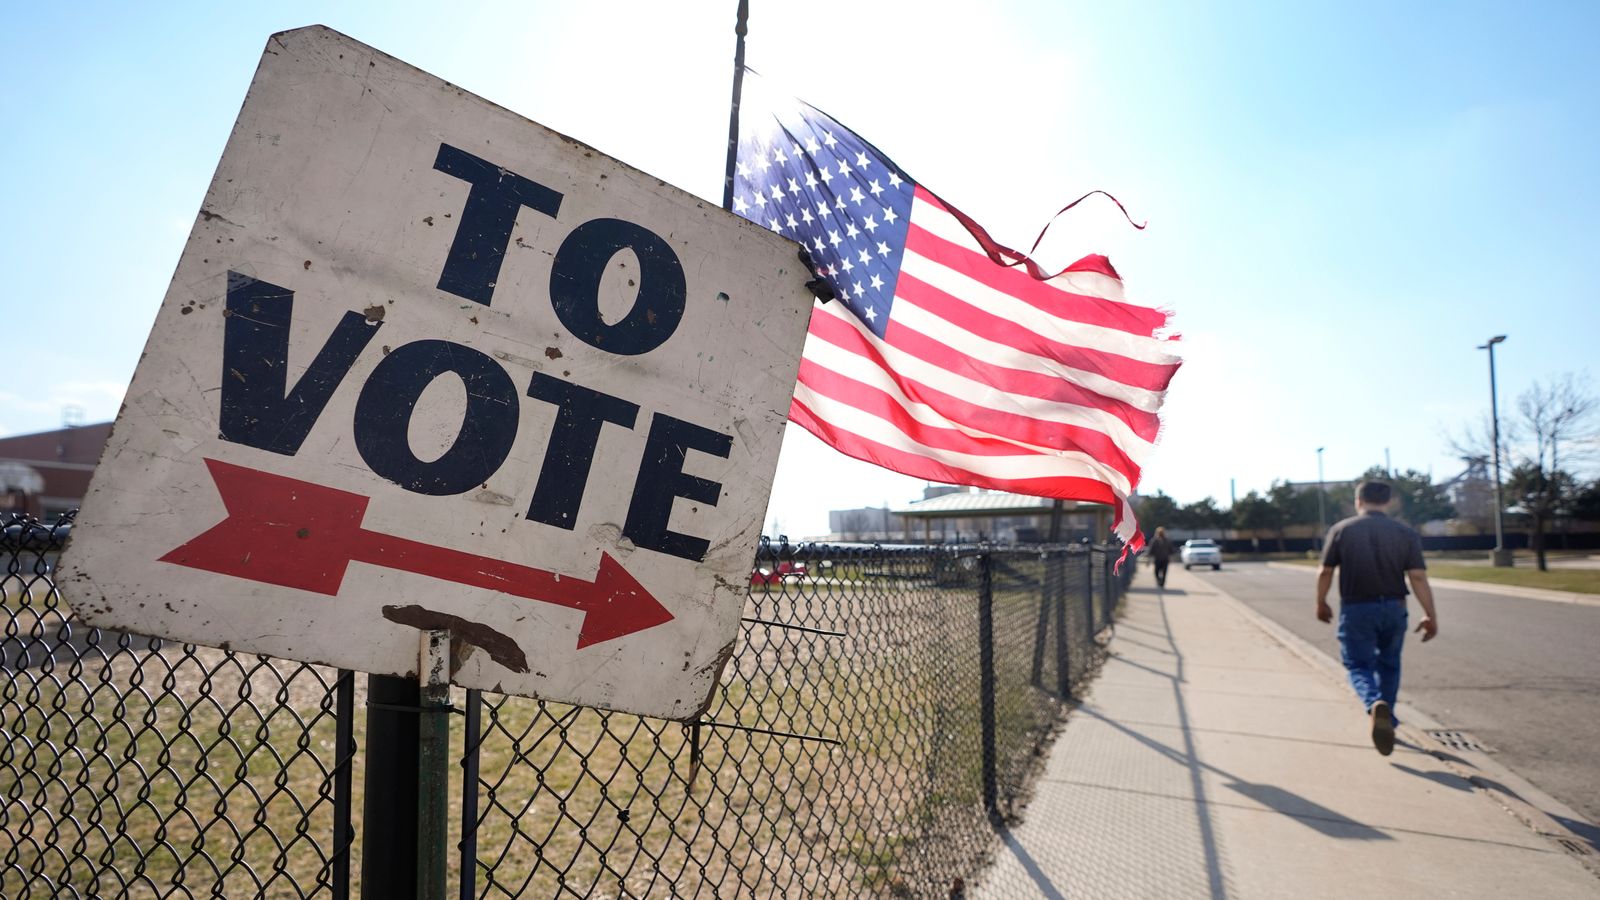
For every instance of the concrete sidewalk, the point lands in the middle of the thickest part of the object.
(1211, 759)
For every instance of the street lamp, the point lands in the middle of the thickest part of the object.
(1322, 516)
(1501, 556)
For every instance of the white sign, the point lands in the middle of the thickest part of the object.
(426, 364)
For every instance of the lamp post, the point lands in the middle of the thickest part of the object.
(1501, 556)
(1322, 516)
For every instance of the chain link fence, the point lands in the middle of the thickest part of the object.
(883, 709)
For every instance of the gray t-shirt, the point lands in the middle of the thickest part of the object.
(1373, 553)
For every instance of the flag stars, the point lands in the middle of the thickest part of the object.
(794, 181)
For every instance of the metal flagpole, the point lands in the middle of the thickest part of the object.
(741, 29)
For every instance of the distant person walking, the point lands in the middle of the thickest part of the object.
(1161, 554)
(1375, 557)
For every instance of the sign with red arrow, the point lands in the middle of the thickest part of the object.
(428, 365)
(301, 535)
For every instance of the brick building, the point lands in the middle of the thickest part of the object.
(47, 474)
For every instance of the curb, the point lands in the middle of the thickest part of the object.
(1530, 805)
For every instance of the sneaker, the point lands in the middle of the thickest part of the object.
(1382, 728)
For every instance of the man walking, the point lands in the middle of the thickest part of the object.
(1161, 553)
(1375, 556)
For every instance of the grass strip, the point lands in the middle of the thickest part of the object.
(1582, 581)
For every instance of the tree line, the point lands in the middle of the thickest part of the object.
(1546, 441)
(1285, 505)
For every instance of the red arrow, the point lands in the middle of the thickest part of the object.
(302, 535)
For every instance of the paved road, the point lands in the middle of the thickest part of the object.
(1523, 676)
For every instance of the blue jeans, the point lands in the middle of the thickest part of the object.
(1371, 636)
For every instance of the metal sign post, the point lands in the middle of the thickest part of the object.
(433, 767)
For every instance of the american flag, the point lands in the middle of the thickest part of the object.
(947, 356)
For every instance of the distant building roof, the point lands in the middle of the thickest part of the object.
(76, 446)
(63, 459)
(985, 503)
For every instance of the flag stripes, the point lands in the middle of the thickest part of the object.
(837, 344)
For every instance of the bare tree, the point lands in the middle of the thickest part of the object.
(1551, 434)
(1558, 418)
(1474, 441)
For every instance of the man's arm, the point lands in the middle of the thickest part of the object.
(1324, 583)
(1429, 626)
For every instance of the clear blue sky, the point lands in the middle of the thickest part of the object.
(1344, 198)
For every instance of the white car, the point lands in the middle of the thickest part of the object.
(1201, 552)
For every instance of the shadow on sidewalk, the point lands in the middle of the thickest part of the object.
(1285, 802)
(1157, 592)
(1036, 874)
(1278, 799)
(1447, 779)
(1584, 830)
(1214, 881)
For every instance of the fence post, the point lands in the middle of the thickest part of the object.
(471, 746)
(344, 743)
(986, 687)
(1113, 587)
(1109, 565)
(1088, 596)
(389, 821)
(1056, 571)
(1042, 628)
